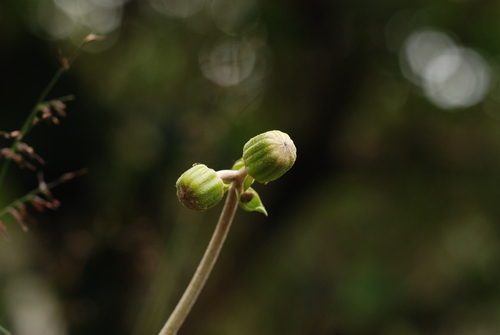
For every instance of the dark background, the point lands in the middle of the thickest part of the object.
(388, 223)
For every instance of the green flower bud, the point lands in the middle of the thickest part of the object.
(199, 188)
(269, 155)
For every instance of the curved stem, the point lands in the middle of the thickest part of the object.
(194, 288)
(227, 174)
(237, 176)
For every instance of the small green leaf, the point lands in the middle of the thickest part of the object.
(238, 164)
(250, 201)
(248, 182)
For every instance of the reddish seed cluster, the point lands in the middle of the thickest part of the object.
(20, 152)
(22, 155)
(16, 134)
(3, 231)
(21, 214)
(40, 202)
(52, 110)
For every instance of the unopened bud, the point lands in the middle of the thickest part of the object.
(247, 196)
(199, 188)
(269, 155)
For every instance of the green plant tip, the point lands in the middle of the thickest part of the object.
(199, 188)
(269, 155)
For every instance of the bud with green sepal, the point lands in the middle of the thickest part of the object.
(266, 157)
(248, 198)
(250, 201)
(200, 188)
(269, 155)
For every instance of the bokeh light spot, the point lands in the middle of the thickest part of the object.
(451, 76)
(458, 79)
(420, 48)
(229, 62)
(68, 18)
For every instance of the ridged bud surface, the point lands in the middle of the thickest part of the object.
(199, 188)
(269, 155)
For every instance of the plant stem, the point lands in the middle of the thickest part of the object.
(5, 331)
(65, 65)
(194, 288)
(40, 189)
(29, 120)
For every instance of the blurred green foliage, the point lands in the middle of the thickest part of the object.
(388, 223)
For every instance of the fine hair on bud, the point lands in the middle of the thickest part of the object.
(199, 188)
(269, 155)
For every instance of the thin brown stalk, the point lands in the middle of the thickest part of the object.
(202, 273)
